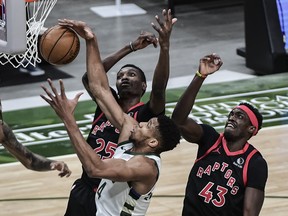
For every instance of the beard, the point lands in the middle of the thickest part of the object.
(131, 139)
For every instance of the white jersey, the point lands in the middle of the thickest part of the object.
(119, 198)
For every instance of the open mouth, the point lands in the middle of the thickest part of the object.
(125, 84)
(230, 125)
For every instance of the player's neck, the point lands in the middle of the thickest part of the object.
(127, 103)
(236, 145)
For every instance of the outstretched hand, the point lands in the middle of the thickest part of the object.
(144, 40)
(209, 64)
(81, 28)
(63, 106)
(62, 167)
(165, 28)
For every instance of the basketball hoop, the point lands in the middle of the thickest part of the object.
(37, 12)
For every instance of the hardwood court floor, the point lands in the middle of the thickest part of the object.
(27, 193)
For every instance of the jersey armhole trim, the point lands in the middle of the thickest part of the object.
(245, 169)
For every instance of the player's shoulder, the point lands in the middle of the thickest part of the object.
(257, 152)
(257, 158)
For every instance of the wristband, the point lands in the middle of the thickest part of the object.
(131, 46)
(200, 75)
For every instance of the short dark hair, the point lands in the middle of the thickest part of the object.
(143, 77)
(169, 134)
(255, 111)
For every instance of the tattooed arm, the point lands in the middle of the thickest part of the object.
(29, 159)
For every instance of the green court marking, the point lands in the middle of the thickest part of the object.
(43, 133)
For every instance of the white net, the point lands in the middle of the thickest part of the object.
(36, 13)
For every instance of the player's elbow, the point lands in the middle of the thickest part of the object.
(93, 171)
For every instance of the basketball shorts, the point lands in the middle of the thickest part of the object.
(81, 200)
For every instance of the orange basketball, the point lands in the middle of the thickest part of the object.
(59, 45)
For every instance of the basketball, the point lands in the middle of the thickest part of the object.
(59, 45)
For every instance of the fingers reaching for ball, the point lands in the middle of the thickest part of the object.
(209, 64)
(212, 59)
(82, 29)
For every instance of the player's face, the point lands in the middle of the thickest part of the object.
(129, 82)
(237, 125)
(143, 131)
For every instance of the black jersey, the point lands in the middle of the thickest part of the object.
(217, 181)
(103, 136)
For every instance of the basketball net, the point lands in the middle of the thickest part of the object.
(37, 12)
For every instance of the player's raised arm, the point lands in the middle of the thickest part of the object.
(100, 89)
(162, 70)
(190, 130)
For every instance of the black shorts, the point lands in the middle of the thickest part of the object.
(81, 200)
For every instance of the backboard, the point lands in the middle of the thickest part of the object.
(12, 26)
